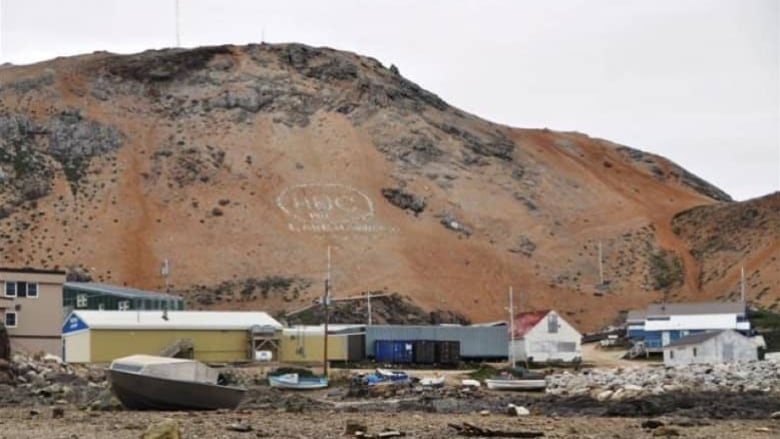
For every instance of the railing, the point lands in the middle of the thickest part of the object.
(182, 345)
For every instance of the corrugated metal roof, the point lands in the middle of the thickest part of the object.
(116, 290)
(667, 309)
(636, 315)
(693, 339)
(193, 320)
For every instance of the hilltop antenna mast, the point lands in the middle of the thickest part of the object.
(178, 25)
(601, 266)
(2, 29)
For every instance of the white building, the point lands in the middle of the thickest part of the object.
(663, 323)
(544, 336)
(710, 347)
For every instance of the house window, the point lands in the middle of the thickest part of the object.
(21, 289)
(10, 289)
(552, 323)
(10, 319)
(81, 301)
(694, 352)
(124, 305)
(101, 307)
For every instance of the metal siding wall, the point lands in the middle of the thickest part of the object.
(475, 342)
(217, 346)
(77, 347)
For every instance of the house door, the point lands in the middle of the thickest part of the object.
(664, 338)
(728, 352)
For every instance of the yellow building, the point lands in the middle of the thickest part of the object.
(304, 344)
(214, 336)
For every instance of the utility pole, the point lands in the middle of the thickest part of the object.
(325, 303)
(369, 308)
(511, 328)
(165, 271)
(742, 284)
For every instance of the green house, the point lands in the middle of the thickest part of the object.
(98, 296)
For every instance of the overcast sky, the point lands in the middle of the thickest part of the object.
(697, 81)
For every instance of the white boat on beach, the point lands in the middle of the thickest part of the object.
(297, 382)
(516, 384)
(434, 381)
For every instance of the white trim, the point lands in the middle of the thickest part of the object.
(37, 292)
(5, 289)
(16, 319)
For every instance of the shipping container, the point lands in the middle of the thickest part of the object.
(356, 347)
(476, 342)
(424, 351)
(448, 352)
(394, 351)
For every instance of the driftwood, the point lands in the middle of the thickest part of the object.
(472, 430)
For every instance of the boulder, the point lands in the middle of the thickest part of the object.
(165, 429)
(518, 410)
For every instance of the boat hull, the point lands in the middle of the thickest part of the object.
(144, 392)
(300, 385)
(538, 384)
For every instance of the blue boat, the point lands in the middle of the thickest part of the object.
(385, 376)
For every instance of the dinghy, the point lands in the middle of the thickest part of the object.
(434, 381)
(297, 382)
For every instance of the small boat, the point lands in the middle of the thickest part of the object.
(393, 375)
(297, 382)
(517, 378)
(434, 381)
(385, 377)
(470, 383)
(146, 382)
(516, 384)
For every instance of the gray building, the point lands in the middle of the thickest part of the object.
(724, 346)
(98, 296)
(488, 341)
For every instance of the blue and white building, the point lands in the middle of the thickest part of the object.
(662, 323)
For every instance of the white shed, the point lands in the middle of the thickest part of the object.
(544, 336)
(710, 347)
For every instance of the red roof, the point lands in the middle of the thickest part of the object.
(525, 321)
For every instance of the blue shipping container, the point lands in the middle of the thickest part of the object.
(393, 351)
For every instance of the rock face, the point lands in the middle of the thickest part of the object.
(240, 164)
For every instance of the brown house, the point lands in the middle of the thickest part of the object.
(31, 308)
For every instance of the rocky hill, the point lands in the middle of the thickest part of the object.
(243, 164)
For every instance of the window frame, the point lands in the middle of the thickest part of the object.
(16, 319)
(552, 323)
(35, 288)
(80, 296)
(5, 289)
(123, 305)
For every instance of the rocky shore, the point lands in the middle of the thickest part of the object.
(692, 397)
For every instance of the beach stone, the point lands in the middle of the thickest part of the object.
(775, 415)
(165, 429)
(484, 413)
(353, 427)
(241, 426)
(518, 410)
(652, 424)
